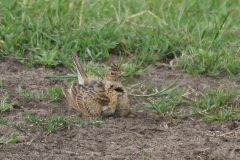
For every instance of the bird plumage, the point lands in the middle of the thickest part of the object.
(92, 93)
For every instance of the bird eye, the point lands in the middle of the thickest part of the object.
(112, 73)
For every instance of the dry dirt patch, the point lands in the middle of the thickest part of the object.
(119, 138)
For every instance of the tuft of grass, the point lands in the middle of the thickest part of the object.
(220, 104)
(133, 68)
(61, 76)
(3, 120)
(165, 89)
(162, 102)
(50, 123)
(202, 62)
(5, 105)
(54, 123)
(12, 138)
(39, 95)
(54, 93)
(165, 104)
(232, 66)
(47, 58)
(25, 93)
(19, 126)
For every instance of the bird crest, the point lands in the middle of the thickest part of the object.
(115, 67)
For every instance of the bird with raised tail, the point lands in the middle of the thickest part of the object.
(91, 94)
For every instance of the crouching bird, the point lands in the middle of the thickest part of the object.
(91, 94)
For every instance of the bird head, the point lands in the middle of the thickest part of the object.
(114, 73)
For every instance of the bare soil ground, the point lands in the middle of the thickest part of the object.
(119, 138)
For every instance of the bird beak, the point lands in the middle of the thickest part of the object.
(123, 73)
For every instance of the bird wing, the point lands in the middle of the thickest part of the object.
(89, 100)
(68, 93)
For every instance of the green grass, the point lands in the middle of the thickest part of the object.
(5, 105)
(53, 94)
(50, 123)
(221, 104)
(141, 31)
(47, 58)
(203, 62)
(11, 139)
(54, 123)
(26, 93)
(165, 104)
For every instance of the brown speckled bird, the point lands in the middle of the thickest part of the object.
(114, 90)
(91, 94)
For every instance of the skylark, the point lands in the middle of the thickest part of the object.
(91, 94)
